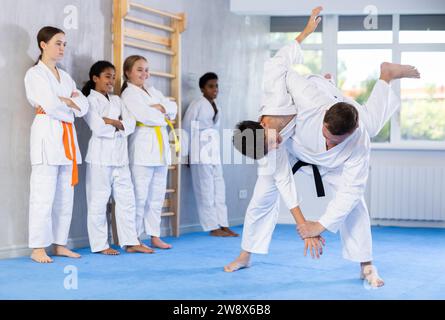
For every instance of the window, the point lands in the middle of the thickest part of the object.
(357, 72)
(352, 51)
(423, 100)
(352, 30)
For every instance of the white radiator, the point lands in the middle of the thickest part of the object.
(407, 192)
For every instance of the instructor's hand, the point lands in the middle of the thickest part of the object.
(310, 229)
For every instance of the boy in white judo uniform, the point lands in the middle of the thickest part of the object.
(329, 132)
(201, 121)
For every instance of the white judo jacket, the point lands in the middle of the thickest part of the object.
(143, 146)
(43, 89)
(108, 146)
(202, 127)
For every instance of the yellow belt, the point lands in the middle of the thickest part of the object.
(159, 136)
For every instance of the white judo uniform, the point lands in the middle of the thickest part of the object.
(344, 167)
(202, 127)
(53, 142)
(108, 172)
(149, 154)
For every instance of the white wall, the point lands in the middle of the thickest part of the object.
(345, 7)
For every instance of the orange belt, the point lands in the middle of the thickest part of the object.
(70, 149)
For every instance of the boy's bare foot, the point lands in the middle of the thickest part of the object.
(65, 252)
(390, 71)
(219, 233)
(158, 243)
(243, 261)
(230, 232)
(140, 248)
(369, 273)
(39, 255)
(110, 252)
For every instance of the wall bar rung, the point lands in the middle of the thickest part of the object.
(147, 36)
(148, 48)
(149, 24)
(159, 12)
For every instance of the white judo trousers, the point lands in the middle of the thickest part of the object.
(345, 168)
(150, 185)
(50, 205)
(148, 161)
(209, 188)
(101, 183)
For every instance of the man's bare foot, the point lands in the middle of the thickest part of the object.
(65, 252)
(110, 252)
(158, 243)
(390, 71)
(140, 248)
(39, 255)
(230, 232)
(219, 233)
(369, 273)
(243, 261)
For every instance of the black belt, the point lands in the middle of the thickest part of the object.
(317, 176)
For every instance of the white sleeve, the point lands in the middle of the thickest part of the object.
(276, 100)
(127, 121)
(81, 101)
(139, 108)
(378, 109)
(349, 193)
(97, 123)
(276, 164)
(39, 93)
(171, 109)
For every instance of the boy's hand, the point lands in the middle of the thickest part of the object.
(314, 20)
(315, 246)
(311, 25)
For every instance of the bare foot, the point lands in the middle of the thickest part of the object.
(369, 273)
(39, 255)
(220, 233)
(158, 243)
(141, 248)
(65, 252)
(390, 71)
(110, 252)
(230, 232)
(243, 261)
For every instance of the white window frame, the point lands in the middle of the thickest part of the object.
(329, 65)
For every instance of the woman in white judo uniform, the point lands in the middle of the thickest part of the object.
(108, 172)
(330, 132)
(201, 121)
(54, 150)
(149, 147)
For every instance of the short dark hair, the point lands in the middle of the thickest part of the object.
(341, 118)
(207, 77)
(249, 139)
